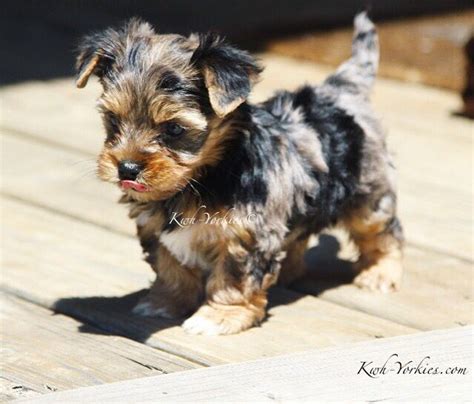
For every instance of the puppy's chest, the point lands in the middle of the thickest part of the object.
(183, 243)
(189, 247)
(194, 246)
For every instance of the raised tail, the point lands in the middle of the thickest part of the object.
(358, 73)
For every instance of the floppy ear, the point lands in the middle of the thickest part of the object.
(85, 69)
(96, 55)
(228, 73)
(99, 52)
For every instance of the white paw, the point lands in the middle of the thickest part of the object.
(220, 320)
(201, 325)
(148, 309)
(385, 279)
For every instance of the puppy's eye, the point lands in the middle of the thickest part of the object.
(169, 82)
(172, 129)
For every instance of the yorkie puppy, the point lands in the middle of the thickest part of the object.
(186, 147)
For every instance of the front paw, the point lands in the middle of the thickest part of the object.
(218, 319)
(385, 277)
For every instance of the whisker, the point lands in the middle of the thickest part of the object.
(85, 161)
(194, 189)
(202, 185)
(92, 173)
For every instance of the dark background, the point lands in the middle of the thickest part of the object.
(38, 38)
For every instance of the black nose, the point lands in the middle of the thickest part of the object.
(129, 170)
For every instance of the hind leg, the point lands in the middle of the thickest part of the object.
(378, 234)
(293, 266)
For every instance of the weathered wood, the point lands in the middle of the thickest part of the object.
(328, 375)
(54, 111)
(42, 352)
(421, 134)
(61, 180)
(428, 273)
(94, 274)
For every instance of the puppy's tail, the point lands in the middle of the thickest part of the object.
(358, 73)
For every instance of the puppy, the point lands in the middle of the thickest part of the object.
(186, 147)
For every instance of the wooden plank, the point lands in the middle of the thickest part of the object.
(428, 274)
(94, 274)
(421, 134)
(54, 111)
(43, 353)
(61, 180)
(328, 375)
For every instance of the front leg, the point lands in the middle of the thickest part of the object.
(176, 292)
(236, 295)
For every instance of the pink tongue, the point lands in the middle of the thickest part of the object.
(136, 186)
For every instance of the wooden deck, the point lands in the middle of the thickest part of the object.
(309, 376)
(72, 269)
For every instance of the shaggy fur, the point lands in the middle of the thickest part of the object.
(225, 194)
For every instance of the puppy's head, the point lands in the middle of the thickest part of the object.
(163, 96)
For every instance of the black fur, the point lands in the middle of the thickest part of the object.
(342, 141)
(170, 82)
(190, 143)
(242, 176)
(150, 248)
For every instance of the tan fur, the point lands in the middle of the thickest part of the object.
(147, 223)
(231, 306)
(176, 169)
(293, 266)
(379, 267)
(232, 303)
(87, 71)
(217, 94)
(176, 291)
(220, 132)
